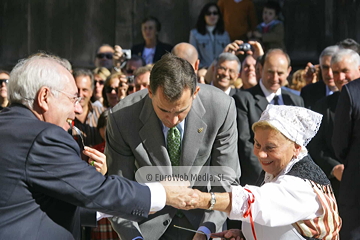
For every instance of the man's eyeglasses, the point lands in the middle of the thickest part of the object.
(74, 99)
(109, 89)
(104, 55)
(211, 13)
(4, 81)
(101, 82)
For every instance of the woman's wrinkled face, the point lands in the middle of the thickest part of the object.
(273, 150)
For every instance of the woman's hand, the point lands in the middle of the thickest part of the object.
(232, 234)
(96, 159)
(123, 87)
(118, 56)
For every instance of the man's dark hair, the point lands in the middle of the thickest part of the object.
(84, 72)
(201, 23)
(349, 43)
(273, 5)
(154, 19)
(173, 74)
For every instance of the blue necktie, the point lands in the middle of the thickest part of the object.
(276, 100)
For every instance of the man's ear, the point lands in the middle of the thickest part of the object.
(150, 92)
(197, 63)
(196, 92)
(289, 70)
(42, 98)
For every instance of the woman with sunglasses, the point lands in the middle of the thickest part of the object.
(100, 75)
(115, 89)
(4, 78)
(209, 37)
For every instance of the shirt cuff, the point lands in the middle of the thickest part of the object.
(239, 203)
(100, 215)
(205, 230)
(158, 196)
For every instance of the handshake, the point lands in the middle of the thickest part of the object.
(180, 195)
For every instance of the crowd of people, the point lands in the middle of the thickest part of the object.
(227, 98)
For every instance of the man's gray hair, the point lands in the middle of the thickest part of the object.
(228, 57)
(342, 52)
(329, 51)
(33, 73)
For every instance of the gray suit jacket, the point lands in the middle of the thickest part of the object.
(135, 139)
(250, 104)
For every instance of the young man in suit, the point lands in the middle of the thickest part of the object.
(44, 181)
(345, 66)
(137, 136)
(252, 102)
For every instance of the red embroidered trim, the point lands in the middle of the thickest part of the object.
(248, 212)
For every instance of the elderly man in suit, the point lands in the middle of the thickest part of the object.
(345, 65)
(138, 133)
(345, 142)
(43, 179)
(325, 87)
(252, 102)
(226, 70)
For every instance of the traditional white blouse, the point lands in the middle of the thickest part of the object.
(278, 204)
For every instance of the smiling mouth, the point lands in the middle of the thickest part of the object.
(266, 162)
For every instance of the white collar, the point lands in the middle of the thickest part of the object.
(269, 95)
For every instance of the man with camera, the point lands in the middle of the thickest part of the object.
(104, 56)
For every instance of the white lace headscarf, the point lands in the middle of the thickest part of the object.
(296, 123)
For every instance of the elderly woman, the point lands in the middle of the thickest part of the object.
(293, 198)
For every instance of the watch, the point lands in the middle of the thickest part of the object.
(212, 201)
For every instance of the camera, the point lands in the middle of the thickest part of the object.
(130, 79)
(245, 47)
(126, 53)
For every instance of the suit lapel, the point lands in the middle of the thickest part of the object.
(195, 129)
(260, 98)
(287, 98)
(152, 136)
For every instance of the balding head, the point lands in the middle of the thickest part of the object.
(188, 52)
